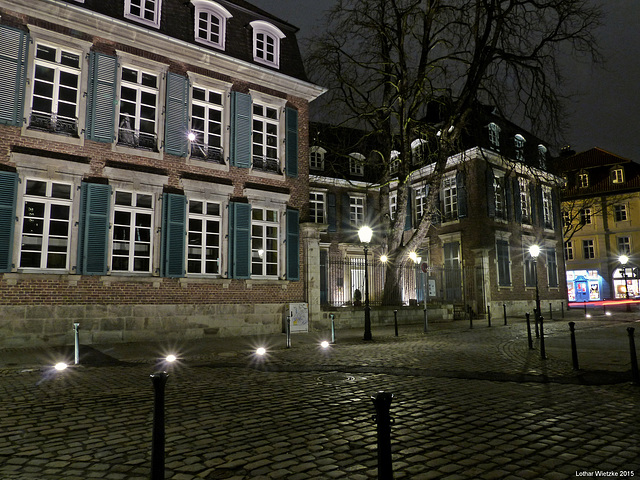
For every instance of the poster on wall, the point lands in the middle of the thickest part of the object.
(299, 314)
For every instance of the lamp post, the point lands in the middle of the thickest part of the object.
(534, 251)
(365, 234)
(623, 261)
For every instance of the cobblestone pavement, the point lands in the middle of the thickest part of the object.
(468, 404)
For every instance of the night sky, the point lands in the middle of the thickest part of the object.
(604, 113)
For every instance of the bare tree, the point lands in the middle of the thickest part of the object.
(579, 212)
(385, 61)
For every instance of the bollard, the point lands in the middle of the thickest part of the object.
(550, 312)
(562, 309)
(604, 307)
(536, 316)
(529, 332)
(395, 321)
(488, 320)
(585, 308)
(382, 403)
(574, 349)
(543, 352)
(333, 328)
(157, 446)
(76, 336)
(635, 375)
(504, 309)
(288, 328)
(471, 321)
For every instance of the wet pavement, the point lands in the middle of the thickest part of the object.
(469, 403)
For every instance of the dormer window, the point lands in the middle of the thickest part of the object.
(356, 164)
(143, 11)
(542, 156)
(494, 135)
(210, 23)
(617, 175)
(583, 180)
(394, 161)
(518, 142)
(316, 158)
(266, 43)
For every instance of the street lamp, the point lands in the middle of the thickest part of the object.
(534, 251)
(365, 234)
(623, 261)
(418, 260)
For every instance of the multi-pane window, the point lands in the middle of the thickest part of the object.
(499, 198)
(356, 164)
(585, 216)
(617, 175)
(206, 124)
(450, 198)
(566, 218)
(356, 210)
(620, 212)
(316, 207)
(542, 156)
(504, 264)
(588, 249)
(56, 77)
(203, 238)
(547, 211)
(525, 200)
(266, 47)
(421, 201)
(494, 135)
(583, 180)
(145, 11)
(518, 142)
(316, 158)
(624, 245)
(568, 250)
(46, 225)
(394, 161)
(266, 43)
(393, 205)
(210, 23)
(265, 138)
(264, 242)
(530, 269)
(137, 122)
(132, 232)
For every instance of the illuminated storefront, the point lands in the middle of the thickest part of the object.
(632, 279)
(584, 285)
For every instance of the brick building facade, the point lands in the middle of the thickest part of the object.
(153, 169)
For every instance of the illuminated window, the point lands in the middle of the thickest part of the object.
(518, 142)
(204, 238)
(317, 207)
(143, 11)
(620, 212)
(494, 135)
(583, 180)
(617, 175)
(266, 43)
(356, 164)
(210, 23)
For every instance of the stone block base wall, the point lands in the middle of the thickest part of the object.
(33, 326)
(353, 317)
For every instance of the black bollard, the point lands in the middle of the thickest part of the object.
(543, 352)
(382, 403)
(157, 446)
(504, 309)
(288, 328)
(536, 316)
(529, 332)
(395, 321)
(585, 308)
(604, 307)
(574, 348)
(634, 358)
(471, 321)
(562, 309)
(488, 320)
(333, 328)
(550, 312)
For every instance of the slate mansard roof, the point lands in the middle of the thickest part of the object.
(177, 19)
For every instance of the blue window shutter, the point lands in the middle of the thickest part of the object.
(93, 229)
(101, 97)
(174, 231)
(554, 208)
(507, 196)
(176, 115)
(408, 217)
(14, 45)
(293, 244)
(331, 213)
(461, 190)
(8, 195)
(240, 130)
(291, 139)
(517, 205)
(345, 211)
(240, 239)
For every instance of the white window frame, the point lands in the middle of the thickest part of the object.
(617, 175)
(129, 135)
(46, 236)
(262, 33)
(316, 158)
(418, 147)
(394, 161)
(200, 144)
(583, 180)
(318, 206)
(356, 164)
(499, 197)
(260, 256)
(357, 206)
(624, 245)
(494, 135)
(211, 10)
(588, 249)
(143, 4)
(568, 250)
(518, 142)
(133, 210)
(620, 213)
(525, 200)
(420, 200)
(393, 204)
(547, 207)
(542, 156)
(205, 236)
(449, 198)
